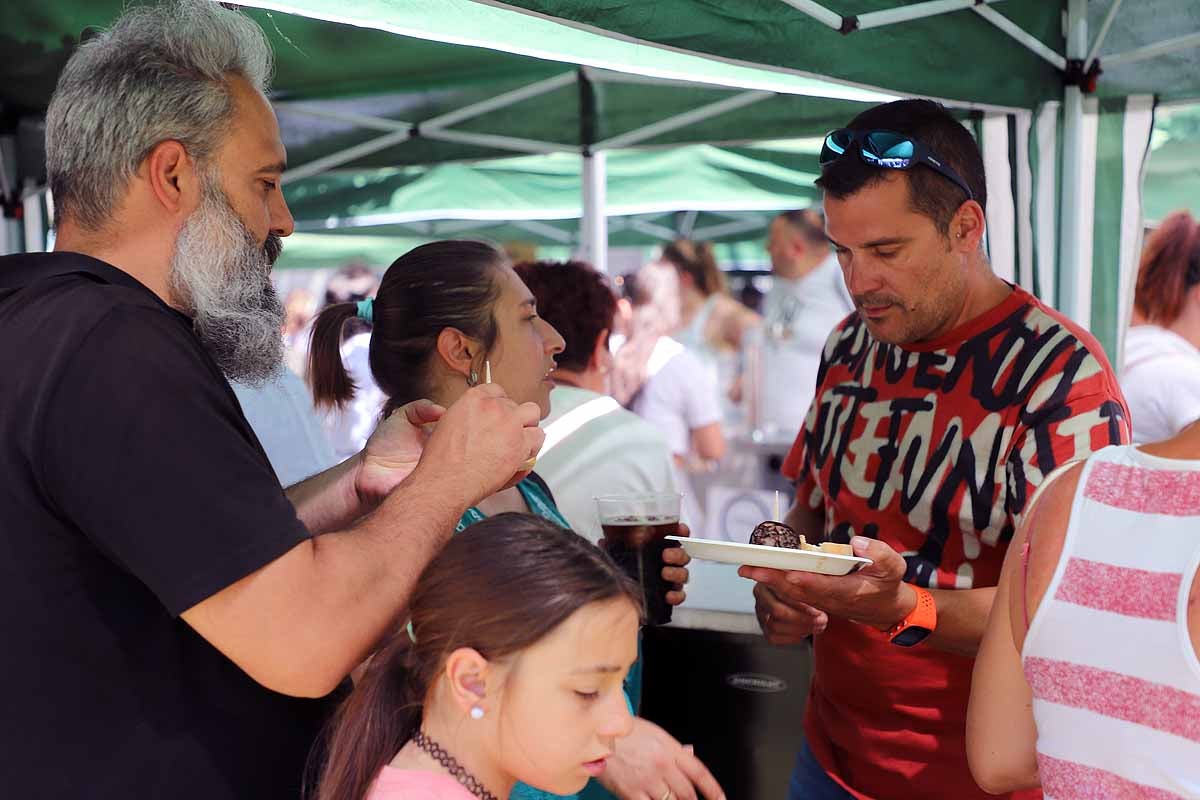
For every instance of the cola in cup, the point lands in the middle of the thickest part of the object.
(634, 528)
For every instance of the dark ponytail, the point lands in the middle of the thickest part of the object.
(332, 386)
(466, 597)
(450, 284)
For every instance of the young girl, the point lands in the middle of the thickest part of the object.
(511, 671)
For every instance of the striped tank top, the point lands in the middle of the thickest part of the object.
(1115, 680)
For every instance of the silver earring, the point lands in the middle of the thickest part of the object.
(473, 378)
(476, 712)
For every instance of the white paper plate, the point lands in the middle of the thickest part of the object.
(758, 555)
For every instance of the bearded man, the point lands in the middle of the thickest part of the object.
(174, 623)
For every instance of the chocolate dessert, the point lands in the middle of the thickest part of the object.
(776, 534)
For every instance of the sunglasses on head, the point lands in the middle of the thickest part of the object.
(887, 150)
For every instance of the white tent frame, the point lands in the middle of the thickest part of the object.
(594, 164)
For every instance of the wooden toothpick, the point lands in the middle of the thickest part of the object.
(777, 517)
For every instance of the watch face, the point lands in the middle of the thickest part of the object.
(910, 636)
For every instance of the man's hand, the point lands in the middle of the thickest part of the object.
(481, 442)
(782, 623)
(874, 595)
(675, 561)
(649, 763)
(393, 450)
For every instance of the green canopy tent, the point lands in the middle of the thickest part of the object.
(1080, 77)
(379, 84)
(469, 79)
(701, 191)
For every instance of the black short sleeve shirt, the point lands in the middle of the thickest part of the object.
(131, 489)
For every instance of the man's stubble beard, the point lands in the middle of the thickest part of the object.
(220, 276)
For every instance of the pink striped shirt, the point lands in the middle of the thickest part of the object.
(1115, 680)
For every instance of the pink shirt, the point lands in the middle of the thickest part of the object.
(411, 784)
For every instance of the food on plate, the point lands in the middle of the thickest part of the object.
(779, 534)
(776, 534)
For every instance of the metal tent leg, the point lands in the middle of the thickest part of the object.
(595, 219)
(1073, 227)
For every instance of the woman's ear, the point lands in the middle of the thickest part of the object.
(601, 360)
(459, 352)
(467, 673)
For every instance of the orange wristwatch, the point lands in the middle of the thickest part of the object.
(919, 623)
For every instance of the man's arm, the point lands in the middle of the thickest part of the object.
(300, 624)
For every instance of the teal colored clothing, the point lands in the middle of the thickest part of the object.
(542, 505)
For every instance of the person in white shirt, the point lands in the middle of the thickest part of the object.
(593, 446)
(806, 281)
(666, 384)
(1161, 370)
(282, 415)
(806, 301)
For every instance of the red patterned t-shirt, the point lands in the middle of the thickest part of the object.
(935, 449)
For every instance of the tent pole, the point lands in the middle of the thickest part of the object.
(1099, 42)
(684, 120)
(595, 220)
(10, 229)
(1073, 227)
(35, 235)
(1185, 42)
(818, 12)
(1031, 42)
(931, 8)
(326, 163)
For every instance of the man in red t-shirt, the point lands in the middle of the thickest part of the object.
(941, 405)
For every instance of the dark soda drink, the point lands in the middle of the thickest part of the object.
(636, 543)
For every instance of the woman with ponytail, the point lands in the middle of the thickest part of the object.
(711, 322)
(449, 315)
(1161, 372)
(510, 671)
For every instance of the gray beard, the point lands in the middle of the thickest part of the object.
(220, 276)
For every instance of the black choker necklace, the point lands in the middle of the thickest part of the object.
(455, 769)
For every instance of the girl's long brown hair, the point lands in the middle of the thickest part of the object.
(697, 260)
(430, 288)
(1170, 266)
(498, 587)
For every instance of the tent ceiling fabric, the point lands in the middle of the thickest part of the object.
(548, 188)
(958, 55)
(365, 68)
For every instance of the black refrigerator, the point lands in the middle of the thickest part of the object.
(738, 700)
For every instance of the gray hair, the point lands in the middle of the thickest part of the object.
(160, 73)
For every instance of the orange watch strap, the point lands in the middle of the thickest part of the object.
(923, 615)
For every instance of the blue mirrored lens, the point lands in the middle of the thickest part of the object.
(890, 145)
(835, 146)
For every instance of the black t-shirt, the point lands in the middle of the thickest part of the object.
(131, 489)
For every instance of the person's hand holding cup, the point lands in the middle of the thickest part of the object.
(635, 527)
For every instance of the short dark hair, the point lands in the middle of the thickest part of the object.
(808, 222)
(574, 298)
(930, 194)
